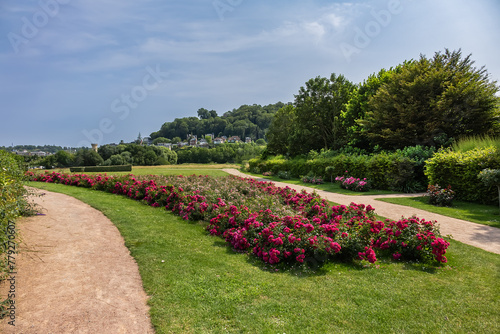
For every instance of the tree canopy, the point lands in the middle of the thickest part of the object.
(246, 121)
(429, 101)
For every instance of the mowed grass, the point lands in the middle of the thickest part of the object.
(477, 213)
(329, 186)
(199, 285)
(184, 169)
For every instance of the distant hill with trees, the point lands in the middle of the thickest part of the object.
(246, 121)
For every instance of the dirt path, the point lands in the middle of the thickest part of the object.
(74, 274)
(481, 236)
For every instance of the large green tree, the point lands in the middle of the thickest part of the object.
(280, 130)
(358, 107)
(430, 101)
(319, 109)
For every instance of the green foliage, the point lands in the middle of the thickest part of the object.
(246, 121)
(316, 119)
(461, 169)
(260, 142)
(386, 171)
(431, 101)
(358, 107)
(161, 140)
(278, 136)
(222, 153)
(12, 200)
(32, 148)
(64, 159)
(490, 177)
(138, 155)
(285, 175)
(87, 157)
(471, 142)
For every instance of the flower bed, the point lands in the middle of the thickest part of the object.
(352, 183)
(278, 225)
(440, 196)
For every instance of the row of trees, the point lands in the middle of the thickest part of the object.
(107, 155)
(425, 102)
(32, 148)
(246, 121)
(224, 153)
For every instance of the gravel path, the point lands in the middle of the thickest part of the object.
(74, 274)
(477, 235)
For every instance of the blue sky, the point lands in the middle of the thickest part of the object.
(74, 72)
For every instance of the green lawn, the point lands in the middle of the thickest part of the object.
(332, 187)
(199, 285)
(477, 213)
(184, 169)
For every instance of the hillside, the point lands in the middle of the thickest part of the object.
(246, 121)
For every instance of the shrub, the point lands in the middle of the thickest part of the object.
(491, 178)
(386, 171)
(470, 143)
(13, 203)
(440, 196)
(351, 183)
(460, 170)
(283, 175)
(101, 169)
(313, 179)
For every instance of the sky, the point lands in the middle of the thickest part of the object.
(76, 72)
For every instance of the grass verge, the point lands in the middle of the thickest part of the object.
(477, 213)
(199, 285)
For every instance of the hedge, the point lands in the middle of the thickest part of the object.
(460, 170)
(99, 169)
(391, 171)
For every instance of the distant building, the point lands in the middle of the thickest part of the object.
(167, 145)
(248, 140)
(39, 154)
(183, 143)
(94, 147)
(203, 143)
(193, 141)
(233, 139)
(31, 154)
(218, 141)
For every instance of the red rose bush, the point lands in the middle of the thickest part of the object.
(278, 225)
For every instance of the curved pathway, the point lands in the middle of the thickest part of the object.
(481, 236)
(74, 274)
